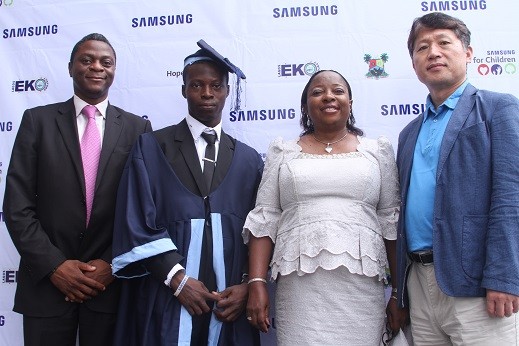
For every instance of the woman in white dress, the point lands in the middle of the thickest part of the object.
(325, 220)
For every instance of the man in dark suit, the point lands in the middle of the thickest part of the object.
(178, 229)
(65, 279)
(459, 176)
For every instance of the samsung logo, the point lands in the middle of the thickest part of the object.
(263, 114)
(501, 52)
(31, 31)
(435, 6)
(162, 20)
(305, 11)
(402, 109)
(5, 126)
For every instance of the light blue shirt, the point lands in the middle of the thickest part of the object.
(422, 186)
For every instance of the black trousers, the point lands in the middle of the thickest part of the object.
(95, 328)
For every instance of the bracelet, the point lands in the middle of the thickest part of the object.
(393, 297)
(244, 277)
(256, 279)
(181, 285)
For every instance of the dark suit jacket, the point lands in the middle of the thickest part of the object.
(183, 158)
(476, 207)
(44, 202)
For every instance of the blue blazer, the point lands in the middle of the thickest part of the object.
(476, 206)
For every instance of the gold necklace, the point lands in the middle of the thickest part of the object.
(328, 147)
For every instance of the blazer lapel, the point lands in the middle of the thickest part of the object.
(456, 122)
(113, 129)
(406, 154)
(67, 125)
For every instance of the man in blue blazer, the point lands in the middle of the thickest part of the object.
(458, 240)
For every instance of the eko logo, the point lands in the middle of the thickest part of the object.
(10, 276)
(290, 70)
(39, 84)
(6, 3)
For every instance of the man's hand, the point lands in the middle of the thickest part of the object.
(500, 304)
(194, 295)
(103, 272)
(232, 302)
(70, 279)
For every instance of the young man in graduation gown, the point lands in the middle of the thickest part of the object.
(178, 230)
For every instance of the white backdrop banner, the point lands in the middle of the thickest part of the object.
(278, 44)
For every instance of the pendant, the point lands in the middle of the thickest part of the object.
(328, 149)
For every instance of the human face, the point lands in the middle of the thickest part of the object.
(440, 60)
(92, 71)
(328, 102)
(205, 89)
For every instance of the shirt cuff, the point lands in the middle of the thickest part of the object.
(172, 273)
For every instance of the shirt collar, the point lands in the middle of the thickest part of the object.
(196, 127)
(450, 102)
(79, 104)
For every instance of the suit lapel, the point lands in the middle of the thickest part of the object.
(67, 125)
(113, 129)
(190, 155)
(188, 169)
(456, 122)
(223, 161)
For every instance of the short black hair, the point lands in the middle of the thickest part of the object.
(90, 37)
(438, 20)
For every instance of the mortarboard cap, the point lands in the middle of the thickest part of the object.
(206, 52)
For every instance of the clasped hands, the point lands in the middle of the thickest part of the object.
(80, 281)
(229, 304)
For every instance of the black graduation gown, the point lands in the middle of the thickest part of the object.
(156, 214)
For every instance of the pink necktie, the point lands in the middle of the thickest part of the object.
(90, 152)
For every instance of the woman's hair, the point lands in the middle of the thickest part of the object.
(306, 122)
(438, 20)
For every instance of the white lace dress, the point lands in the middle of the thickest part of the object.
(328, 216)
